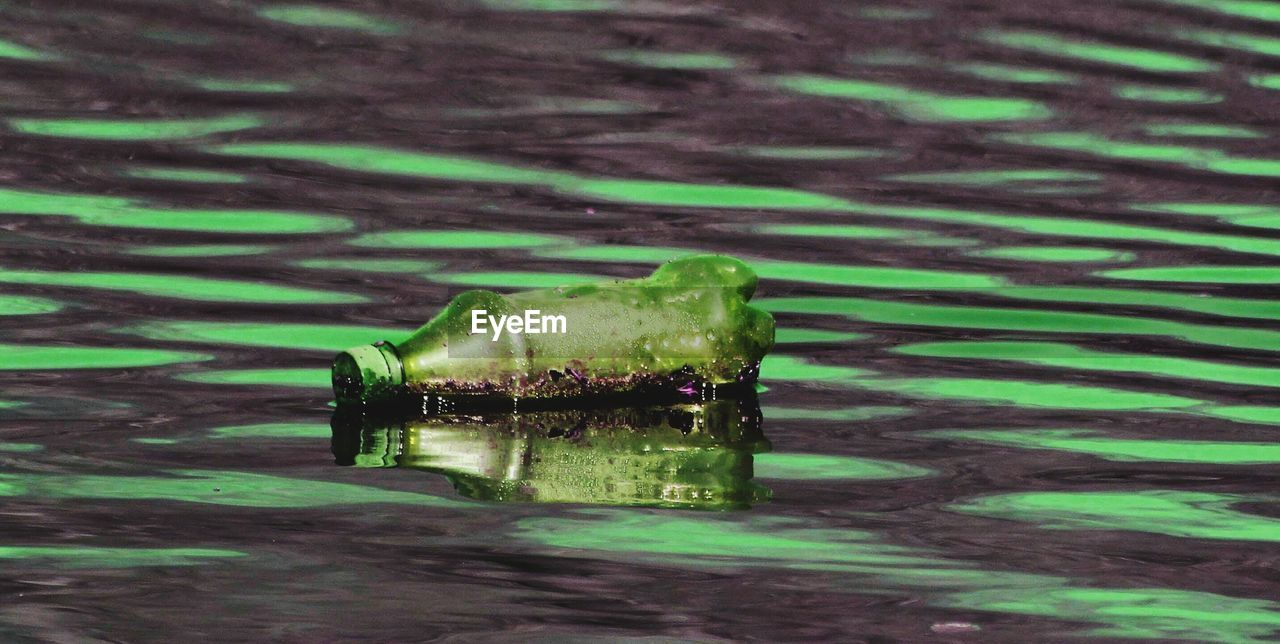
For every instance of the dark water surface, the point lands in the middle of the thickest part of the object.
(1023, 256)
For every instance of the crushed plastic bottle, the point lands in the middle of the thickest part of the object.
(686, 330)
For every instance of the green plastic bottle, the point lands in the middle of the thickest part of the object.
(685, 329)
(694, 456)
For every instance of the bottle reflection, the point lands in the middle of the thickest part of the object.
(695, 456)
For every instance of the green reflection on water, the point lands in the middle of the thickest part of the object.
(156, 441)
(19, 448)
(212, 487)
(693, 195)
(1093, 442)
(1263, 45)
(243, 86)
(1064, 47)
(811, 153)
(798, 336)
(318, 378)
(273, 430)
(1202, 130)
(780, 366)
(815, 467)
(22, 305)
(183, 287)
(459, 239)
(871, 276)
(1053, 254)
(1067, 356)
(100, 210)
(967, 317)
(1199, 274)
(1198, 158)
(669, 60)
(1049, 395)
(368, 158)
(1239, 214)
(837, 231)
(305, 15)
(623, 254)
(1096, 144)
(554, 5)
(13, 51)
(923, 279)
(517, 279)
(371, 265)
(812, 273)
(1156, 94)
(868, 563)
(1195, 515)
(282, 335)
(751, 541)
(190, 176)
(551, 105)
(98, 557)
(682, 195)
(839, 414)
(995, 177)
(1248, 414)
(29, 358)
(202, 250)
(1265, 81)
(1254, 9)
(135, 129)
(986, 390)
(786, 543)
(1061, 227)
(926, 279)
(1146, 613)
(938, 242)
(919, 105)
(1012, 74)
(1216, 305)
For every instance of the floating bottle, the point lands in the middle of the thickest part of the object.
(694, 456)
(685, 330)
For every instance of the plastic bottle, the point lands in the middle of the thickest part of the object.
(686, 329)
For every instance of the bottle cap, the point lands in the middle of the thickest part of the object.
(366, 373)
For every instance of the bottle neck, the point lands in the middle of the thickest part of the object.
(367, 373)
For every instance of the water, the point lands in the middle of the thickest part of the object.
(1023, 257)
